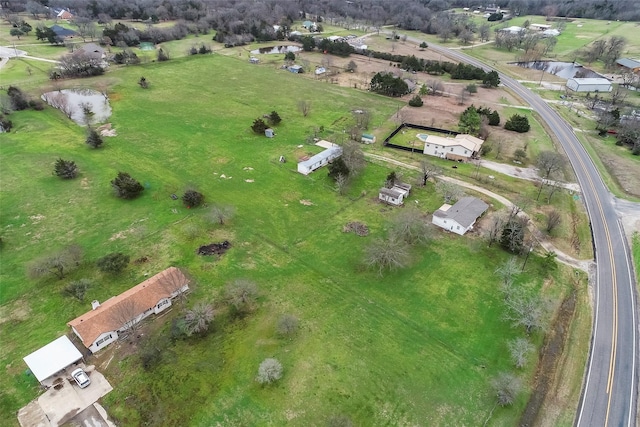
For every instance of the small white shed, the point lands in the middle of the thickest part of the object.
(269, 133)
(396, 194)
(591, 84)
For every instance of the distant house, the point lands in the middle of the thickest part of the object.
(335, 38)
(92, 50)
(460, 217)
(462, 147)
(513, 30)
(321, 159)
(63, 14)
(254, 60)
(62, 32)
(101, 326)
(591, 84)
(295, 33)
(52, 358)
(368, 138)
(540, 27)
(308, 25)
(360, 47)
(550, 33)
(629, 64)
(296, 69)
(394, 195)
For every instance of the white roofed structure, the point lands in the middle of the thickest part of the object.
(52, 358)
(590, 84)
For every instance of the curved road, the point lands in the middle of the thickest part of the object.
(609, 395)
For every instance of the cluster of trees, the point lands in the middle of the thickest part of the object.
(16, 100)
(338, 48)
(472, 119)
(518, 123)
(259, 125)
(347, 167)
(531, 46)
(78, 64)
(605, 50)
(388, 84)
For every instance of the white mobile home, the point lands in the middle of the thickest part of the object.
(321, 159)
(460, 217)
(589, 85)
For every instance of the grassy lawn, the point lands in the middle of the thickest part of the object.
(635, 249)
(419, 344)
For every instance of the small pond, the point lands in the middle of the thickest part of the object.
(276, 49)
(565, 70)
(83, 106)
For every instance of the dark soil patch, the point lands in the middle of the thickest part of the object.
(548, 360)
(357, 227)
(214, 248)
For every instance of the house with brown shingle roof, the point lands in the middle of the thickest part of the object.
(102, 325)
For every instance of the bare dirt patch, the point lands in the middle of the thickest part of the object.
(356, 227)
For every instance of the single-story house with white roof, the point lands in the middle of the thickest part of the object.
(590, 84)
(514, 29)
(540, 27)
(551, 33)
(462, 147)
(396, 194)
(101, 326)
(52, 358)
(321, 159)
(460, 217)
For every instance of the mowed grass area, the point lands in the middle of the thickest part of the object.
(413, 347)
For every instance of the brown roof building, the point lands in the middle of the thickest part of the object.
(100, 326)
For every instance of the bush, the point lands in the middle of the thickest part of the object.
(517, 123)
(94, 140)
(65, 169)
(77, 289)
(287, 325)
(259, 126)
(416, 101)
(113, 263)
(144, 84)
(192, 198)
(5, 124)
(472, 88)
(495, 17)
(162, 55)
(125, 187)
(270, 370)
(338, 168)
(424, 45)
(290, 56)
(494, 118)
(274, 118)
(19, 100)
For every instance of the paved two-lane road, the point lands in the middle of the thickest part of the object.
(610, 388)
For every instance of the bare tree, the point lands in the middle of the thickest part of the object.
(287, 325)
(304, 107)
(342, 184)
(466, 36)
(270, 370)
(411, 226)
(507, 387)
(496, 222)
(436, 87)
(197, 319)
(175, 282)
(554, 219)
(241, 294)
(127, 314)
(507, 272)
(429, 170)
(462, 96)
(449, 191)
(221, 213)
(386, 254)
(61, 102)
(485, 32)
(618, 95)
(553, 186)
(353, 157)
(526, 308)
(520, 348)
(57, 264)
(549, 163)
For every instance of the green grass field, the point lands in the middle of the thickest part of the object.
(413, 347)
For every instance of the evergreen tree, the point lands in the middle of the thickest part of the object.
(338, 167)
(126, 187)
(65, 169)
(469, 121)
(518, 123)
(94, 140)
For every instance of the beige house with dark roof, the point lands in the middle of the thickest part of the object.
(101, 326)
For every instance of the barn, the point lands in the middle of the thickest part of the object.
(589, 85)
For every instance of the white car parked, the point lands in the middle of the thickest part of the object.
(81, 377)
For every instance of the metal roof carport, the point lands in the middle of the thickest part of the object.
(52, 358)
